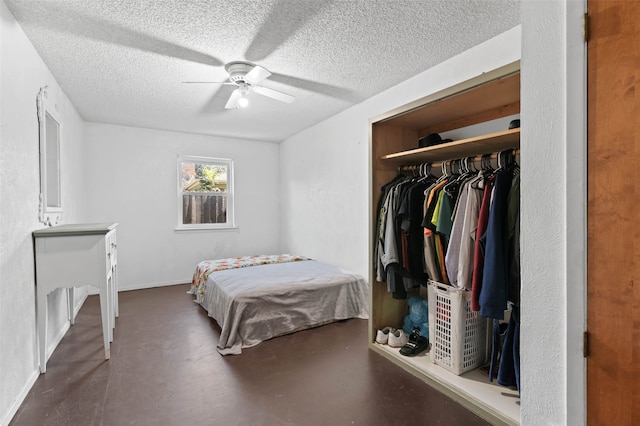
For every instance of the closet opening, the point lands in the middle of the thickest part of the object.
(437, 164)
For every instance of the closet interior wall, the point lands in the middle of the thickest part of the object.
(394, 144)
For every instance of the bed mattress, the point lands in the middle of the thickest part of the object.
(256, 303)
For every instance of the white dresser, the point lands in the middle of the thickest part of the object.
(69, 256)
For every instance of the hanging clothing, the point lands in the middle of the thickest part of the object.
(433, 244)
(387, 248)
(430, 256)
(399, 249)
(459, 237)
(380, 246)
(411, 225)
(469, 229)
(451, 259)
(495, 276)
(509, 369)
(478, 251)
(444, 222)
(461, 230)
(513, 236)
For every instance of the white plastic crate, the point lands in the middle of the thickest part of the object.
(457, 334)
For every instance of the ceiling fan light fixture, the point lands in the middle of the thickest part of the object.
(243, 100)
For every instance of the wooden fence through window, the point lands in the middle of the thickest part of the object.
(199, 208)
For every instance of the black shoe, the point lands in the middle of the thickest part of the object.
(415, 345)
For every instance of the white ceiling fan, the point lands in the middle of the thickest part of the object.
(246, 76)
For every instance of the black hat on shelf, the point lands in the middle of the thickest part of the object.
(429, 140)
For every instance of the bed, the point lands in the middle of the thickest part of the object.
(256, 298)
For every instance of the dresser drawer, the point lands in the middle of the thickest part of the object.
(111, 249)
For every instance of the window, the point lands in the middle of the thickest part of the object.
(205, 193)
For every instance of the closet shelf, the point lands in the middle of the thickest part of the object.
(497, 402)
(498, 141)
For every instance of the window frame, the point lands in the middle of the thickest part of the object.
(226, 162)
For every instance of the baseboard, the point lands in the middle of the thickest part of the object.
(76, 309)
(20, 398)
(152, 285)
(93, 291)
(56, 340)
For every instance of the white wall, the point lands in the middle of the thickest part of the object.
(131, 179)
(553, 217)
(324, 178)
(21, 76)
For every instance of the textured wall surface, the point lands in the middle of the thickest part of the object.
(543, 224)
(22, 75)
(553, 219)
(132, 179)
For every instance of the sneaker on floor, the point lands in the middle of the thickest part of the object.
(382, 336)
(398, 338)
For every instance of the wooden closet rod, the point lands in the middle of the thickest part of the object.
(438, 164)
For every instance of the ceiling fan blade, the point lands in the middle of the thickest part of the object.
(256, 75)
(219, 97)
(207, 82)
(233, 99)
(274, 94)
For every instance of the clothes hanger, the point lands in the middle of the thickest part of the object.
(466, 165)
(461, 175)
(473, 171)
(485, 171)
(424, 173)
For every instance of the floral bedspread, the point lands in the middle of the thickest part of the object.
(206, 267)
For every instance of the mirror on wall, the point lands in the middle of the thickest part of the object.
(50, 207)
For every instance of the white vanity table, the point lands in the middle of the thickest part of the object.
(69, 256)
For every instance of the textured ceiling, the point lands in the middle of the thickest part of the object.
(124, 61)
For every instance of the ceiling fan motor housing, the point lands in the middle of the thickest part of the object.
(237, 71)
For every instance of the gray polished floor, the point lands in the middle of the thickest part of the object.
(164, 370)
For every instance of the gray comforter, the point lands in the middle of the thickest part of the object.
(257, 303)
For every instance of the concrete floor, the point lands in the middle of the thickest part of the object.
(164, 370)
